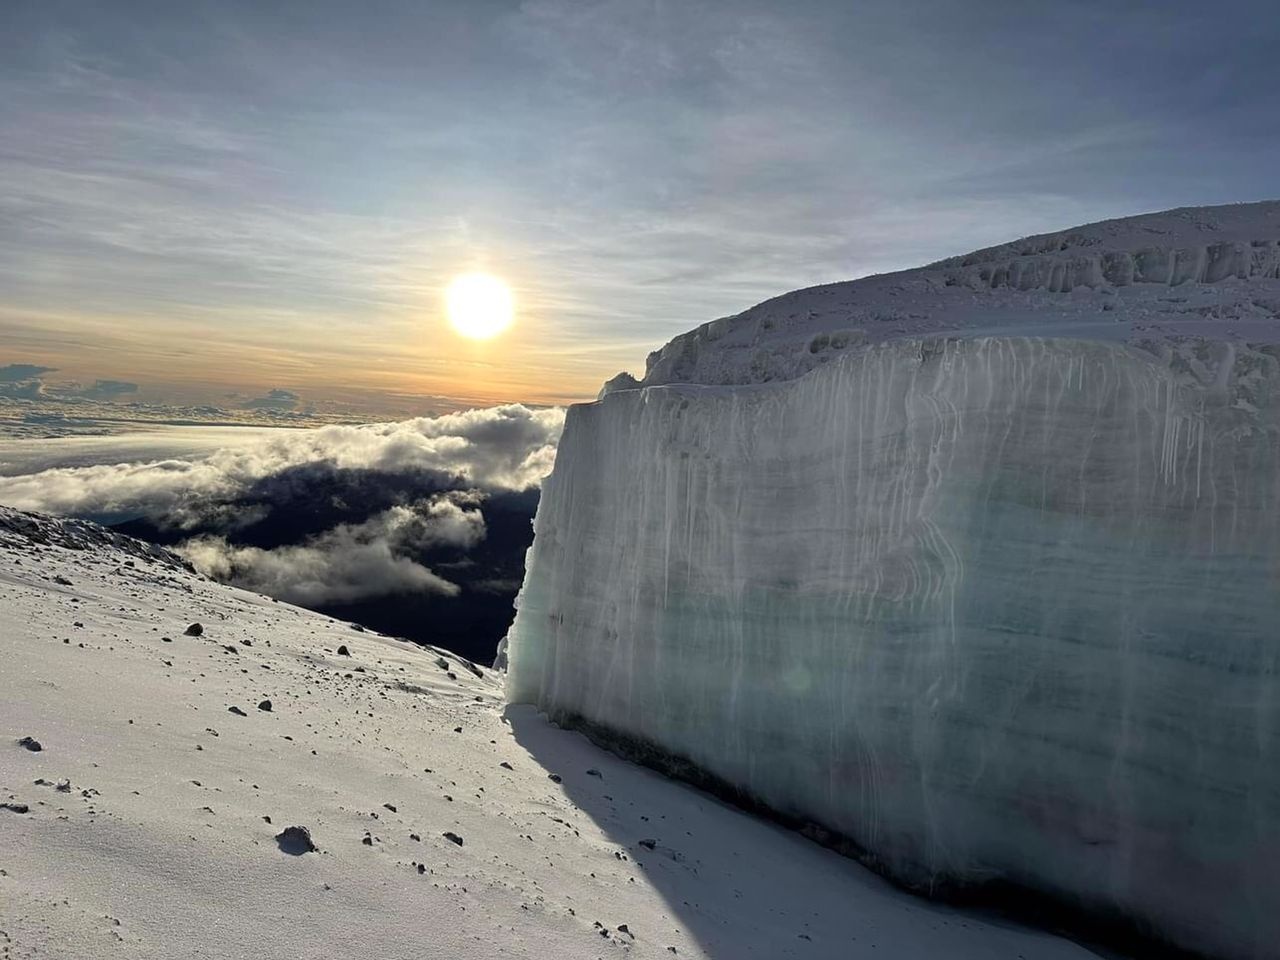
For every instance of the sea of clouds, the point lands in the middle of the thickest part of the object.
(426, 482)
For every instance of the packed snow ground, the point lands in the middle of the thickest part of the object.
(146, 824)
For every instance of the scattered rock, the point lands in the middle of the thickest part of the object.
(294, 841)
(422, 868)
(593, 772)
(194, 630)
(358, 628)
(506, 765)
(265, 706)
(343, 651)
(237, 711)
(390, 806)
(230, 649)
(452, 837)
(15, 807)
(367, 840)
(61, 581)
(457, 729)
(554, 777)
(648, 844)
(622, 928)
(31, 743)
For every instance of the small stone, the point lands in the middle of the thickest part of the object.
(422, 868)
(237, 711)
(343, 651)
(265, 706)
(593, 772)
(648, 844)
(367, 840)
(452, 837)
(31, 743)
(194, 630)
(294, 841)
(554, 777)
(506, 765)
(15, 807)
(390, 806)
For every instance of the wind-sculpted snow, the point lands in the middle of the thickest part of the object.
(997, 610)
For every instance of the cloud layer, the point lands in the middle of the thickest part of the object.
(508, 448)
(330, 516)
(352, 561)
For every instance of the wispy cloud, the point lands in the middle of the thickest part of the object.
(291, 193)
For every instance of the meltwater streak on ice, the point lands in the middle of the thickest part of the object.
(995, 609)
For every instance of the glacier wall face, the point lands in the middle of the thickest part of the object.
(994, 609)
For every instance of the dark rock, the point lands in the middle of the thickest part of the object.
(457, 729)
(295, 841)
(343, 651)
(648, 844)
(390, 806)
(31, 743)
(62, 581)
(452, 837)
(367, 840)
(422, 868)
(265, 706)
(15, 807)
(554, 777)
(506, 765)
(237, 711)
(194, 630)
(593, 772)
(230, 649)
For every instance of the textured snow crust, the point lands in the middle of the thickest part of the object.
(997, 609)
(1211, 272)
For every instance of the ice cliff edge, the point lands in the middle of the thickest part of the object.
(975, 567)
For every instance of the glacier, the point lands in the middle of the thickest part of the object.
(992, 611)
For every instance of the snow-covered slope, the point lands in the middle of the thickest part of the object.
(994, 610)
(1201, 271)
(146, 824)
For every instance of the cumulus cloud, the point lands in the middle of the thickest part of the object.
(22, 389)
(14, 372)
(507, 448)
(351, 561)
(106, 390)
(274, 400)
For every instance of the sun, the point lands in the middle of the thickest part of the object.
(480, 305)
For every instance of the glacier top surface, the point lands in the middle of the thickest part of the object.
(1203, 272)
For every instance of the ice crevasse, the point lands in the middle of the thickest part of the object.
(993, 610)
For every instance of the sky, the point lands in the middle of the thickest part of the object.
(247, 202)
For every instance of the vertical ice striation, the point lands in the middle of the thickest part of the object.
(998, 610)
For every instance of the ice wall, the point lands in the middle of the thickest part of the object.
(995, 609)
